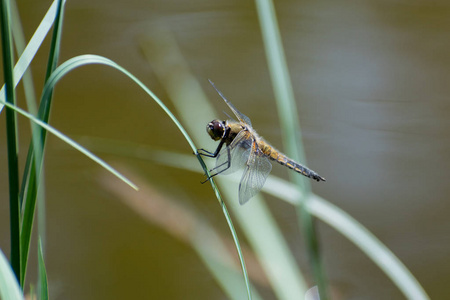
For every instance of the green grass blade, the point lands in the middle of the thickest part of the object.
(333, 216)
(32, 48)
(281, 82)
(82, 60)
(43, 284)
(30, 97)
(39, 136)
(187, 96)
(56, 40)
(31, 177)
(139, 151)
(227, 278)
(257, 223)
(268, 243)
(87, 59)
(236, 241)
(370, 245)
(130, 150)
(72, 143)
(11, 126)
(353, 231)
(189, 226)
(20, 44)
(290, 124)
(230, 224)
(9, 286)
(27, 217)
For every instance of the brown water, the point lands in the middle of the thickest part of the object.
(371, 83)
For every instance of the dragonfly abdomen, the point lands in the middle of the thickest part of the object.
(282, 159)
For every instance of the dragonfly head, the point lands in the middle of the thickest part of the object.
(215, 129)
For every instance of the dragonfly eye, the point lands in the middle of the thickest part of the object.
(215, 129)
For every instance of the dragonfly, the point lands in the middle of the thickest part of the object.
(245, 149)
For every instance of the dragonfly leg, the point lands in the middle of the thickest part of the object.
(228, 163)
(209, 177)
(205, 152)
(210, 154)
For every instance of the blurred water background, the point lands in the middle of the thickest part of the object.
(371, 83)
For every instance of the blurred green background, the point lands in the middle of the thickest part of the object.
(371, 83)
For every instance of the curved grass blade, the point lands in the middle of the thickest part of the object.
(235, 239)
(32, 47)
(33, 167)
(47, 22)
(290, 124)
(20, 44)
(370, 245)
(43, 284)
(87, 59)
(257, 223)
(29, 187)
(230, 223)
(71, 142)
(11, 136)
(9, 286)
(187, 96)
(82, 60)
(333, 216)
(354, 232)
(226, 277)
(187, 225)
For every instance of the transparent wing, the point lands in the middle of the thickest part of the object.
(241, 117)
(255, 175)
(237, 153)
(238, 160)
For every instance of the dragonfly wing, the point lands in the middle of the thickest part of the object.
(255, 175)
(241, 117)
(236, 154)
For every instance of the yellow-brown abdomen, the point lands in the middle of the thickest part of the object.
(282, 159)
